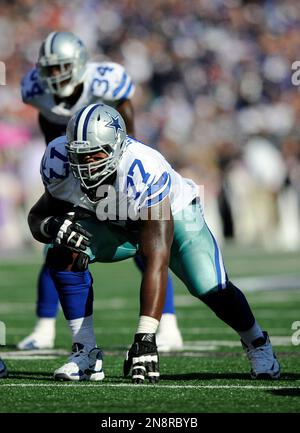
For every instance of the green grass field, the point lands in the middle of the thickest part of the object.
(210, 375)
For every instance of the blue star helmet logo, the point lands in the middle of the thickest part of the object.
(114, 123)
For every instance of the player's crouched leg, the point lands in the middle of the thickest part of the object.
(73, 280)
(197, 261)
(231, 306)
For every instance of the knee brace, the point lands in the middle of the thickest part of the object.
(63, 258)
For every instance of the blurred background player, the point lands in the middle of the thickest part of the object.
(62, 82)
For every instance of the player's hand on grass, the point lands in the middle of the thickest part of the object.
(65, 231)
(142, 359)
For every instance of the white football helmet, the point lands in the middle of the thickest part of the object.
(62, 63)
(95, 128)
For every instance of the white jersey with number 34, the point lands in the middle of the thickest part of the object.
(106, 81)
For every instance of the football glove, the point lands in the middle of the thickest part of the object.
(143, 359)
(65, 231)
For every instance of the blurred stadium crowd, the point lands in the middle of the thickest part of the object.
(214, 94)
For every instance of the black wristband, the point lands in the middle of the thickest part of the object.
(150, 338)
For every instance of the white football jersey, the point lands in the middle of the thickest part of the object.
(106, 81)
(144, 178)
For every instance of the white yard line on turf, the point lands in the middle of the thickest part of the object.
(190, 346)
(124, 385)
(267, 282)
(187, 330)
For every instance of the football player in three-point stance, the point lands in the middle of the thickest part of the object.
(112, 198)
(63, 82)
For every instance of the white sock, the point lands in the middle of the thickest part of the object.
(82, 331)
(167, 322)
(45, 325)
(252, 334)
